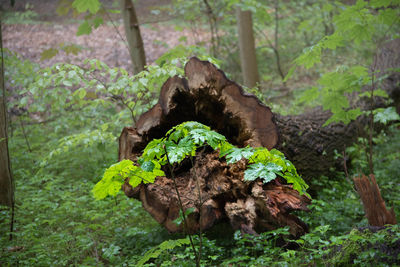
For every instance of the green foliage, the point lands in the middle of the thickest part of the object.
(28, 16)
(166, 245)
(386, 161)
(180, 54)
(93, 9)
(71, 125)
(183, 141)
(385, 115)
(65, 87)
(82, 6)
(115, 176)
(355, 24)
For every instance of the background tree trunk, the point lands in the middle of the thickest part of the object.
(247, 48)
(6, 181)
(132, 31)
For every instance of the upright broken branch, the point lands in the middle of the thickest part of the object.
(374, 205)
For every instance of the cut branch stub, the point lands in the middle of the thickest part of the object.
(207, 96)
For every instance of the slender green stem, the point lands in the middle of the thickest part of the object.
(199, 207)
(25, 136)
(181, 207)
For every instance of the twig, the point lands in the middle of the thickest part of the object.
(25, 136)
(131, 109)
(199, 206)
(276, 46)
(345, 169)
(116, 28)
(213, 27)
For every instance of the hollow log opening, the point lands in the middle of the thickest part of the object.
(216, 190)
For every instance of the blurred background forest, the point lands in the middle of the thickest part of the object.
(70, 89)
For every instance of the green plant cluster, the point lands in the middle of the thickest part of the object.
(184, 140)
(27, 16)
(370, 23)
(359, 247)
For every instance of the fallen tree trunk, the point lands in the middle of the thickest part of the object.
(207, 96)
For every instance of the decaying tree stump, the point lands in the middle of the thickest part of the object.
(207, 96)
(374, 205)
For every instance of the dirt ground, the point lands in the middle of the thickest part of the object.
(106, 43)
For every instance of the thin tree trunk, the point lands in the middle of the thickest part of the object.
(247, 48)
(212, 21)
(276, 40)
(132, 31)
(6, 182)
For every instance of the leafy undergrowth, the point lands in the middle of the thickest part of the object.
(59, 223)
(57, 220)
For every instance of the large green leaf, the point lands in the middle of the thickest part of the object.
(177, 152)
(385, 115)
(113, 179)
(344, 116)
(83, 5)
(84, 28)
(212, 138)
(266, 172)
(235, 154)
(48, 54)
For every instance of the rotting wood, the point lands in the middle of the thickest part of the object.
(374, 205)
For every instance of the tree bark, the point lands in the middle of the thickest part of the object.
(248, 58)
(6, 181)
(132, 31)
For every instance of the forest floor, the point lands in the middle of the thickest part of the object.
(46, 29)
